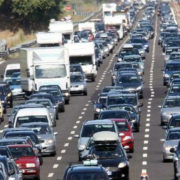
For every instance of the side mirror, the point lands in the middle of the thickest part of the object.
(76, 136)
(55, 133)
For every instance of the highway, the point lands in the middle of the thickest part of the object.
(148, 142)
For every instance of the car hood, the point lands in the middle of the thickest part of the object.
(45, 136)
(24, 160)
(77, 83)
(169, 111)
(172, 143)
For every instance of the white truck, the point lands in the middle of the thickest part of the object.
(63, 27)
(84, 54)
(45, 66)
(87, 26)
(108, 9)
(49, 39)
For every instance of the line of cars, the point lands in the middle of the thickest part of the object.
(30, 135)
(169, 40)
(107, 138)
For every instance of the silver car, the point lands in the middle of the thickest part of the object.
(171, 105)
(89, 128)
(78, 84)
(46, 135)
(171, 141)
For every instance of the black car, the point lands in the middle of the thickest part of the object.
(85, 172)
(131, 82)
(4, 151)
(58, 96)
(114, 159)
(134, 115)
(6, 96)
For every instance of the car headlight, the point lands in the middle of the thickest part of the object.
(167, 147)
(30, 165)
(9, 95)
(98, 110)
(166, 75)
(127, 138)
(134, 120)
(66, 94)
(122, 165)
(82, 147)
(49, 141)
(139, 88)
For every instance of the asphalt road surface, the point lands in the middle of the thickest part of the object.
(148, 144)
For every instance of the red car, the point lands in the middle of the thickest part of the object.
(126, 134)
(26, 160)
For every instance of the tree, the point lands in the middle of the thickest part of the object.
(31, 14)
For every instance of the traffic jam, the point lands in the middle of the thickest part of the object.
(60, 72)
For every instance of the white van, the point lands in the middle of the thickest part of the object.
(29, 115)
(10, 70)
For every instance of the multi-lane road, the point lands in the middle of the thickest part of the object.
(148, 144)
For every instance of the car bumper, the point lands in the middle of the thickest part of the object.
(117, 173)
(128, 146)
(30, 173)
(48, 149)
(168, 156)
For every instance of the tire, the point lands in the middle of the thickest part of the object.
(93, 79)
(57, 116)
(37, 178)
(132, 150)
(11, 104)
(67, 101)
(63, 109)
(85, 93)
(5, 111)
(54, 153)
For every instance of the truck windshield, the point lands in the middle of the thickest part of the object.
(10, 72)
(50, 71)
(83, 60)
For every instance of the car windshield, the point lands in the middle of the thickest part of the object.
(22, 135)
(132, 59)
(129, 79)
(102, 100)
(10, 72)
(122, 66)
(38, 129)
(83, 60)
(75, 69)
(30, 119)
(13, 82)
(86, 176)
(175, 122)
(6, 143)
(173, 135)
(108, 89)
(89, 130)
(174, 56)
(175, 89)
(18, 152)
(121, 100)
(4, 152)
(113, 114)
(107, 152)
(122, 126)
(44, 103)
(172, 103)
(173, 67)
(76, 78)
(50, 71)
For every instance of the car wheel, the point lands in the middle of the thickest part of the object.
(67, 101)
(5, 111)
(57, 116)
(132, 150)
(93, 79)
(2, 119)
(37, 178)
(85, 93)
(63, 109)
(11, 104)
(54, 153)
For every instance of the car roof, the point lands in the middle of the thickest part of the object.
(173, 62)
(173, 97)
(105, 136)
(21, 132)
(32, 111)
(120, 95)
(20, 145)
(12, 139)
(35, 123)
(119, 110)
(102, 121)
